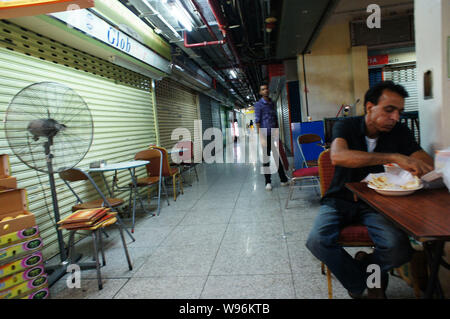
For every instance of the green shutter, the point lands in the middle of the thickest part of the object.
(177, 107)
(123, 124)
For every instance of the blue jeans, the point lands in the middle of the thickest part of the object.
(392, 246)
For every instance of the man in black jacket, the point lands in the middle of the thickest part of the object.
(361, 145)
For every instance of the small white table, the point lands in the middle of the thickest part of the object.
(131, 167)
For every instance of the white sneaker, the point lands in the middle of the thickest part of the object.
(268, 187)
(286, 183)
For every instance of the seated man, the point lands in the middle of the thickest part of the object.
(361, 145)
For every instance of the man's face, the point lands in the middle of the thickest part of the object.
(264, 90)
(386, 113)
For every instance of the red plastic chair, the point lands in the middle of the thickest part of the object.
(354, 235)
(308, 174)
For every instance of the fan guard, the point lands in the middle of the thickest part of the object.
(49, 119)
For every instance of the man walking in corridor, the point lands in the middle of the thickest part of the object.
(266, 121)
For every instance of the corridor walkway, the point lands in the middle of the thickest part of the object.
(226, 237)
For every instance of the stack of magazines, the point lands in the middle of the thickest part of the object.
(88, 219)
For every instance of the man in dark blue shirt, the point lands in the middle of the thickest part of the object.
(266, 119)
(361, 146)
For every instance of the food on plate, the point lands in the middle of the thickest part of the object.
(412, 184)
(380, 182)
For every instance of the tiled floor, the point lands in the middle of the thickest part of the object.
(226, 237)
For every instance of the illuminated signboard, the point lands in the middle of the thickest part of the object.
(22, 8)
(92, 25)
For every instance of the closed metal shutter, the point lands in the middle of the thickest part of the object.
(123, 124)
(215, 114)
(177, 108)
(223, 123)
(286, 120)
(206, 114)
(405, 75)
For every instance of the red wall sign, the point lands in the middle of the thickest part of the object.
(378, 59)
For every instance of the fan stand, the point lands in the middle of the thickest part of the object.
(59, 270)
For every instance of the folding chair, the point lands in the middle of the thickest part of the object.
(187, 157)
(168, 171)
(75, 175)
(309, 171)
(354, 235)
(98, 247)
(154, 173)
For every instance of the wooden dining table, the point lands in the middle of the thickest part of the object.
(424, 215)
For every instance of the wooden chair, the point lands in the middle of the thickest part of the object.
(309, 171)
(154, 172)
(168, 171)
(354, 235)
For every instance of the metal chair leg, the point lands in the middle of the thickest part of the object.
(97, 264)
(100, 245)
(130, 266)
(165, 191)
(291, 190)
(196, 175)
(174, 187)
(71, 246)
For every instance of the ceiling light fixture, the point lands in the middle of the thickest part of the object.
(180, 14)
(233, 74)
(160, 17)
(270, 24)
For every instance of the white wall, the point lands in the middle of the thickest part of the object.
(432, 23)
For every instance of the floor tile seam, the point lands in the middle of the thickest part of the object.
(206, 276)
(153, 251)
(118, 291)
(165, 238)
(252, 274)
(220, 244)
(287, 247)
(204, 193)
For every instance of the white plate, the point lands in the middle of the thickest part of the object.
(394, 191)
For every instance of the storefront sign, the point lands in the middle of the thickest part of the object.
(94, 26)
(378, 60)
(22, 8)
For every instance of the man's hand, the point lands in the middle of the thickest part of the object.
(419, 163)
(415, 166)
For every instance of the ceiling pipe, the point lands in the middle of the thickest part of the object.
(210, 30)
(224, 32)
(202, 44)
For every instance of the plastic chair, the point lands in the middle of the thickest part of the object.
(168, 171)
(309, 171)
(355, 235)
(187, 160)
(154, 172)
